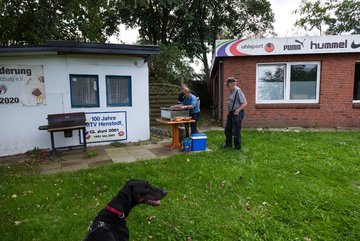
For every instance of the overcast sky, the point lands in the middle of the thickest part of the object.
(284, 17)
(283, 25)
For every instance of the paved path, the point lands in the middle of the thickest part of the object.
(104, 155)
(74, 160)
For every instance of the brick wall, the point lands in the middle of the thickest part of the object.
(335, 108)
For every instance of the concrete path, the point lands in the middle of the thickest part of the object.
(74, 160)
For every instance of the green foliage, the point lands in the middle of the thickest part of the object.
(347, 18)
(338, 17)
(171, 66)
(195, 25)
(282, 186)
(33, 22)
(184, 29)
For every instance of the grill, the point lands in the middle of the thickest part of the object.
(66, 122)
(171, 113)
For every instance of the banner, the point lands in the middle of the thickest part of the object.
(22, 85)
(106, 126)
(288, 46)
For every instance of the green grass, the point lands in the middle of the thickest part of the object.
(282, 186)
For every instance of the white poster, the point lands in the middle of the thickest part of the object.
(106, 126)
(22, 85)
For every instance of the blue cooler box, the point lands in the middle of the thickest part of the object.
(198, 142)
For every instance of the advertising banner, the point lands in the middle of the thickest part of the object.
(106, 126)
(22, 85)
(288, 46)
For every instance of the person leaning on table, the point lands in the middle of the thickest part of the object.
(181, 97)
(190, 103)
(236, 103)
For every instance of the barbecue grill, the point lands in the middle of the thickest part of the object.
(173, 113)
(66, 122)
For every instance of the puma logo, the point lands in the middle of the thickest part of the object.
(299, 42)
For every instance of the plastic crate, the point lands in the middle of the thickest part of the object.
(198, 142)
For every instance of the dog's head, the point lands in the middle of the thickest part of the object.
(141, 191)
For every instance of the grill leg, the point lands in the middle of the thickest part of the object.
(84, 137)
(52, 141)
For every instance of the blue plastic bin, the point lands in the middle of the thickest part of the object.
(198, 142)
(186, 145)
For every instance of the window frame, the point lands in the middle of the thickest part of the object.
(287, 83)
(71, 76)
(129, 80)
(356, 101)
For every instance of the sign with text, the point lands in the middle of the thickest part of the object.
(106, 126)
(22, 85)
(288, 46)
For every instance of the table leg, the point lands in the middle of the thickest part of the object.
(176, 143)
(175, 137)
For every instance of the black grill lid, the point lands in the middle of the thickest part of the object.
(66, 119)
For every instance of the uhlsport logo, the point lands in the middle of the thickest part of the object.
(3, 89)
(269, 47)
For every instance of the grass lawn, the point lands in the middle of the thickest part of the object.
(282, 186)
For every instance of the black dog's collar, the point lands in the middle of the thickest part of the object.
(117, 212)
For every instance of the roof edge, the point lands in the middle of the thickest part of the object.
(63, 46)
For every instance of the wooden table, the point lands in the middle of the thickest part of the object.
(175, 131)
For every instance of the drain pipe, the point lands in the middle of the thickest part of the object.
(220, 92)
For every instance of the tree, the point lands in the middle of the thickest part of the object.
(171, 66)
(195, 24)
(34, 21)
(337, 16)
(209, 20)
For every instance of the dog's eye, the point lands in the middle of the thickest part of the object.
(146, 187)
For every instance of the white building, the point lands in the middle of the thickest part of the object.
(109, 82)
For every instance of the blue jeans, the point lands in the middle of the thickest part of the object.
(193, 125)
(233, 128)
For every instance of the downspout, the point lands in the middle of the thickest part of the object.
(220, 92)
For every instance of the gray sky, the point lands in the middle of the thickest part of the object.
(284, 18)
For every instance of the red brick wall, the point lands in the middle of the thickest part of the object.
(335, 108)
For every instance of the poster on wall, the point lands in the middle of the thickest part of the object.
(22, 85)
(106, 126)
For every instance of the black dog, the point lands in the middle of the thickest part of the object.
(110, 223)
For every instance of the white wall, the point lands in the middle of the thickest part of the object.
(19, 124)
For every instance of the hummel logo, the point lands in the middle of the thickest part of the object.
(354, 45)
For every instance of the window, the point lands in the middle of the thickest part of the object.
(84, 90)
(271, 82)
(118, 90)
(288, 83)
(357, 83)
